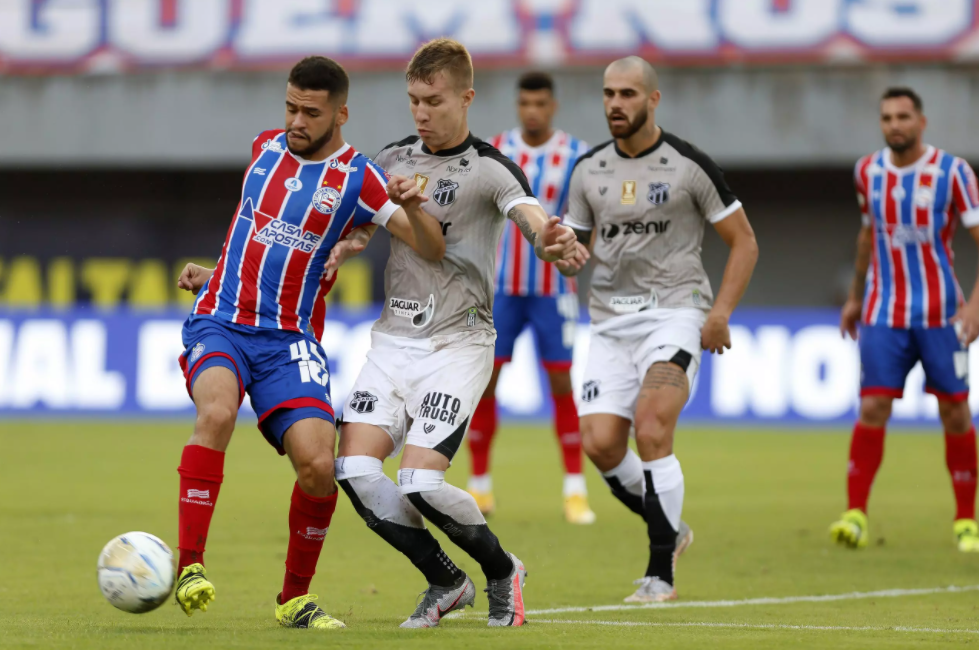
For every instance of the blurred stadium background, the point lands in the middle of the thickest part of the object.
(127, 125)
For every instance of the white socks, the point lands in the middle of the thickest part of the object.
(666, 479)
(628, 474)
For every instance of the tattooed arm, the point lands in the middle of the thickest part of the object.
(551, 240)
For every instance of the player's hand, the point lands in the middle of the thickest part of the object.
(405, 192)
(966, 322)
(849, 318)
(342, 251)
(193, 277)
(560, 242)
(573, 266)
(716, 335)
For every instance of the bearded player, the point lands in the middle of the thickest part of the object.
(255, 324)
(643, 199)
(531, 293)
(432, 348)
(910, 307)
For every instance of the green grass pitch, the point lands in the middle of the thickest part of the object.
(759, 502)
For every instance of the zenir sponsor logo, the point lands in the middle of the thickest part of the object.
(422, 182)
(363, 402)
(440, 407)
(612, 230)
(628, 192)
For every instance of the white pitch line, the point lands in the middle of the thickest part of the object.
(764, 626)
(856, 595)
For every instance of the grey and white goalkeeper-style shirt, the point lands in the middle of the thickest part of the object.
(649, 213)
(470, 188)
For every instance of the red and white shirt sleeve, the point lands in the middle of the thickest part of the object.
(374, 197)
(965, 193)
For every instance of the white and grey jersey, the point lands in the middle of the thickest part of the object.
(470, 188)
(649, 213)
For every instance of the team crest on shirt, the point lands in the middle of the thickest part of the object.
(589, 390)
(363, 402)
(659, 193)
(445, 192)
(196, 353)
(924, 197)
(326, 200)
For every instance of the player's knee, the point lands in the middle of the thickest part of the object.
(599, 450)
(420, 480)
(875, 410)
(215, 421)
(315, 474)
(654, 432)
(956, 417)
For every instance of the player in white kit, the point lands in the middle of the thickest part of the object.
(432, 348)
(642, 200)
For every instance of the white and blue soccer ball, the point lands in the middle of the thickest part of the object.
(136, 572)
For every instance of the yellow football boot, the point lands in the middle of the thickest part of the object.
(484, 501)
(852, 530)
(193, 589)
(576, 510)
(302, 612)
(967, 534)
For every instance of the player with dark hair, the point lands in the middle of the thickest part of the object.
(909, 306)
(532, 293)
(642, 199)
(255, 325)
(432, 348)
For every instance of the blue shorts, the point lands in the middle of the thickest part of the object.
(552, 318)
(284, 373)
(887, 355)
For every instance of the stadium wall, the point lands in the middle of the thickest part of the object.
(786, 366)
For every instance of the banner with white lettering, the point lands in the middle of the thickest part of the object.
(108, 36)
(785, 366)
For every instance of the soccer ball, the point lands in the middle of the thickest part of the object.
(136, 572)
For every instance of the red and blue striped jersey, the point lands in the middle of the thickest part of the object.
(914, 211)
(519, 272)
(292, 212)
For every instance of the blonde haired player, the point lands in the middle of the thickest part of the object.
(432, 348)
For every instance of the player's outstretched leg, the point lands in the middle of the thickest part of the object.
(380, 503)
(307, 435)
(454, 511)
(216, 395)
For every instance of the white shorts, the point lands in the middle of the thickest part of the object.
(417, 395)
(623, 348)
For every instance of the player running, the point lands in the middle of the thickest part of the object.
(432, 348)
(910, 307)
(530, 292)
(255, 324)
(643, 199)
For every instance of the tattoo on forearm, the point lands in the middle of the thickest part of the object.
(518, 218)
(664, 375)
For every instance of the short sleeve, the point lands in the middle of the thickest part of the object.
(965, 193)
(579, 216)
(373, 197)
(505, 182)
(709, 189)
(860, 186)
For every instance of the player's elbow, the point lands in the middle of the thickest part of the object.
(434, 252)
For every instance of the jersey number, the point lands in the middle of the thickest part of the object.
(310, 369)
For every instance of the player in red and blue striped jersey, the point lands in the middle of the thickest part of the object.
(307, 201)
(531, 292)
(909, 305)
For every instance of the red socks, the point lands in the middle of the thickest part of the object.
(201, 472)
(960, 456)
(309, 521)
(481, 435)
(866, 452)
(566, 426)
